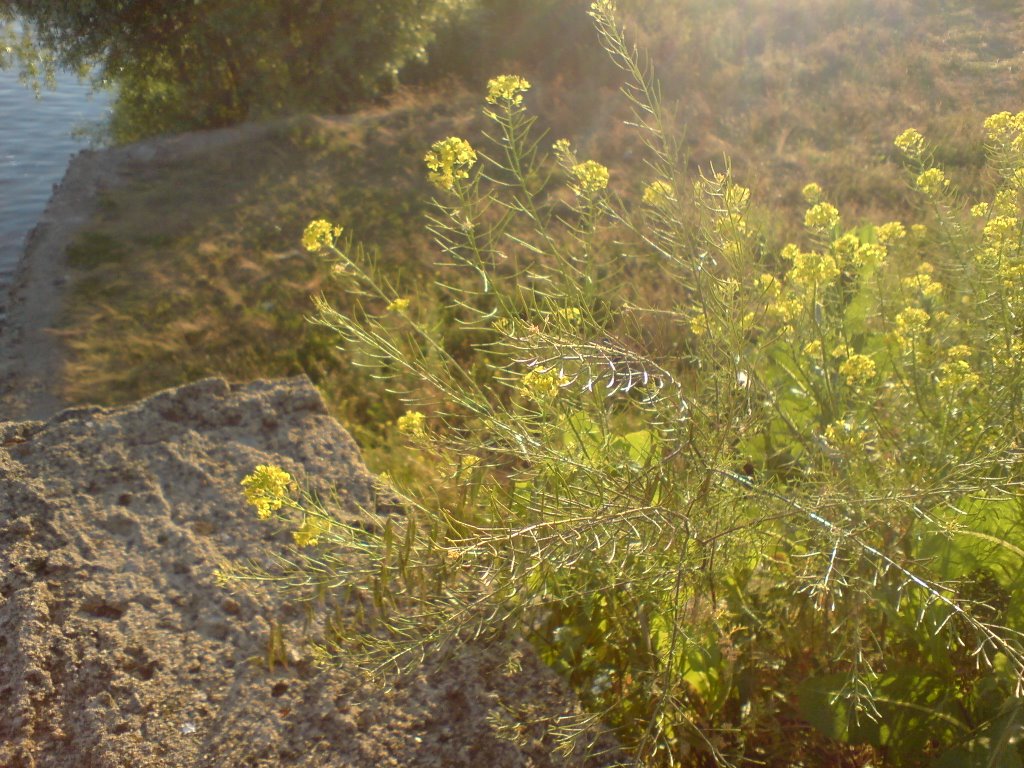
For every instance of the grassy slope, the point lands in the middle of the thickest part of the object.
(196, 269)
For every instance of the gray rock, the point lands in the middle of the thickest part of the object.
(117, 646)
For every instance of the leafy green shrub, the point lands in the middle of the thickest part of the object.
(773, 517)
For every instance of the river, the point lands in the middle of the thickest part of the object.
(36, 143)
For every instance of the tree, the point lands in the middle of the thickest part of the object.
(215, 62)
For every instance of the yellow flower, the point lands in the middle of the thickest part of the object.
(910, 143)
(959, 352)
(736, 197)
(413, 424)
(1004, 126)
(847, 434)
(569, 314)
(957, 375)
(932, 182)
(563, 152)
(312, 528)
(813, 349)
(889, 233)
(591, 177)
(822, 218)
(541, 384)
(266, 489)
(319, 234)
(508, 89)
(814, 269)
(911, 324)
(448, 160)
(858, 370)
(1001, 237)
(870, 255)
(398, 305)
(769, 284)
(786, 309)
(658, 194)
(811, 193)
(923, 282)
(980, 211)
(845, 248)
(1005, 203)
(466, 463)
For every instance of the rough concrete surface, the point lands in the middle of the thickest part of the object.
(117, 646)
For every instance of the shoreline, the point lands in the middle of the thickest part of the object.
(31, 351)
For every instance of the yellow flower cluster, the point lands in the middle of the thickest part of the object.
(591, 177)
(413, 424)
(736, 198)
(1006, 203)
(312, 528)
(542, 384)
(266, 489)
(811, 193)
(932, 182)
(813, 269)
(858, 370)
(813, 349)
(847, 434)
(911, 325)
(845, 249)
(507, 89)
(1006, 129)
(398, 305)
(1001, 239)
(822, 218)
(658, 194)
(769, 284)
(890, 233)
(957, 376)
(923, 282)
(870, 255)
(910, 143)
(1010, 359)
(448, 160)
(319, 234)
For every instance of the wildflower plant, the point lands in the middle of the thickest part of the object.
(777, 512)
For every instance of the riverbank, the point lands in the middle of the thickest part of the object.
(175, 258)
(32, 354)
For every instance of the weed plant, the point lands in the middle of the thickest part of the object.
(770, 514)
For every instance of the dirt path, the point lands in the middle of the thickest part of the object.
(31, 355)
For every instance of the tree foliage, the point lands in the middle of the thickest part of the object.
(214, 62)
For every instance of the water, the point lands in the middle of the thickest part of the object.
(36, 144)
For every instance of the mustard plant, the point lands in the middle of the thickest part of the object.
(774, 516)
